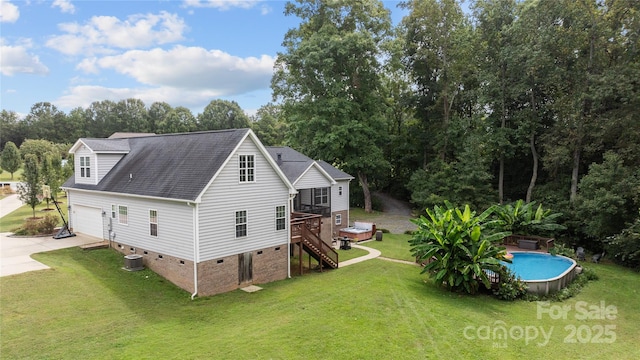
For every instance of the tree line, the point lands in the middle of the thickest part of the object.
(103, 118)
(534, 100)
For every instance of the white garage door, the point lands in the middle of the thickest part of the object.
(87, 220)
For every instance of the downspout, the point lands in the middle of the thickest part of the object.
(196, 246)
(291, 197)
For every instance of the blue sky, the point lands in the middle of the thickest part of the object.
(185, 53)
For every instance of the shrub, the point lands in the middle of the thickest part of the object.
(571, 290)
(624, 248)
(561, 249)
(38, 226)
(48, 224)
(510, 287)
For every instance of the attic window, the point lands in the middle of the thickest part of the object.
(246, 165)
(85, 166)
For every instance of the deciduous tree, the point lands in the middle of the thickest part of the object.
(11, 160)
(328, 79)
(29, 188)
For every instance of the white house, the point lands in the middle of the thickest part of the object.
(210, 211)
(322, 188)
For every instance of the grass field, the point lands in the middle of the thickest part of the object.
(86, 307)
(17, 218)
(6, 176)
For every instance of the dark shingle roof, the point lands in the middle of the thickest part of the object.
(294, 164)
(106, 145)
(334, 172)
(174, 166)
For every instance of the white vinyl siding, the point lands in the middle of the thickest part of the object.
(175, 237)
(104, 163)
(226, 196)
(312, 178)
(340, 202)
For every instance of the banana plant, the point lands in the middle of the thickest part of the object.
(458, 246)
(527, 219)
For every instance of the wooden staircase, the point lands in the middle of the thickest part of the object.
(305, 231)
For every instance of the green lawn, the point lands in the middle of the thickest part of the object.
(17, 218)
(6, 176)
(86, 307)
(395, 246)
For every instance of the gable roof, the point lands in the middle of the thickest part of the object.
(119, 146)
(172, 166)
(335, 173)
(295, 164)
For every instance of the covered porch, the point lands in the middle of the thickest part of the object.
(313, 201)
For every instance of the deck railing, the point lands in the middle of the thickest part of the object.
(300, 221)
(305, 230)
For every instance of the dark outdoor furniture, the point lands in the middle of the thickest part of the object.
(528, 244)
(580, 253)
(345, 243)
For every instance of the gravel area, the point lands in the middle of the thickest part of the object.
(395, 216)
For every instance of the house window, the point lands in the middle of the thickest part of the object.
(123, 216)
(338, 219)
(281, 218)
(247, 168)
(153, 222)
(113, 211)
(321, 196)
(241, 223)
(340, 190)
(85, 166)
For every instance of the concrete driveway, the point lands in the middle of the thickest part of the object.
(15, 252)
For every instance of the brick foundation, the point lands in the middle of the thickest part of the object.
(344, 224)
(214, 276)
(178, 271)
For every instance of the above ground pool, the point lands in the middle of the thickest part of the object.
(543, 273)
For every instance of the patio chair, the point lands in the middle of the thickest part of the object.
(597, 257)
(580, 253)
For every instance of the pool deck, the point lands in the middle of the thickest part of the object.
(511, 248)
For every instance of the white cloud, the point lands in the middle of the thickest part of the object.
(191, 68)
(17, 59)
(8, 12)
(104, 34)
(84, 95)
(222, 4)
(182, 76)
(65, 6)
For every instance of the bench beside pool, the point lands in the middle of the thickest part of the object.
(361, 230)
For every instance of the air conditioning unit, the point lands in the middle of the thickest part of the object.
(133, 262)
